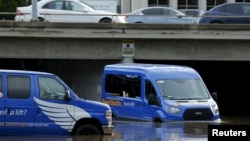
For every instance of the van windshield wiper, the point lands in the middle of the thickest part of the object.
(169, 97)
(190, 98)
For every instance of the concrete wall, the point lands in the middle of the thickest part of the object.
(146, 49)
(83, 76)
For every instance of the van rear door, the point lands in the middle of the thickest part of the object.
(19, 105)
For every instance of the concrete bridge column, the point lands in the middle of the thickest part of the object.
(127, 60)
(125, 6)
(173, 4)
(202, 4)
(229, 1)
(136, 4)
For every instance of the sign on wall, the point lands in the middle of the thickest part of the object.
(105, 5)
(128, 48)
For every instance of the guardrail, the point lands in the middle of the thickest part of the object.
(120, 18)
(47, 16)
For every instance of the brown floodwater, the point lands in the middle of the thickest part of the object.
(144, 131)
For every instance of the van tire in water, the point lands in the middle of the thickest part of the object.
(88, 129)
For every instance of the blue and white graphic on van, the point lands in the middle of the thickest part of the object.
(62, 114)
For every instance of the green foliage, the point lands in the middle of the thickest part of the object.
(10, 6)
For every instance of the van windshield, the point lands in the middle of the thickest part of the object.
(183, 89)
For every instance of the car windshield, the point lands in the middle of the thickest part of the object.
(176, 13)
(162, 12)
(182, 89)
(87, 5)
(194, 13)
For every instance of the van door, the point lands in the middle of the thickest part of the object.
(55, 115)
(125, 89)
(19, 105)
(150, 110)
(138, 108)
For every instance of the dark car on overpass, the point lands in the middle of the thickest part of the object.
(228, 13)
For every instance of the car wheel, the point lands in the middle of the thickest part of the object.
(216, 23)
(106, 20)
(88, 129)
(40, 19)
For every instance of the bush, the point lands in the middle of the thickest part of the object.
(9, 6)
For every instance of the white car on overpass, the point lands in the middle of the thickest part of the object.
(73, 11)
(159, 15)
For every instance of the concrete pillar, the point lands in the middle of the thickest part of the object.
(127, 60)
(144, 3)
(34, 17)
(173, 4)
(202, 4)
(125, 6)
(136, 4)
(230, 1)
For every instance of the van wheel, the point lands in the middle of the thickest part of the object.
(157, 120)
(88, 129)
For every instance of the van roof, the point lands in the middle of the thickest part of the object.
(24, 72)
(159, 71)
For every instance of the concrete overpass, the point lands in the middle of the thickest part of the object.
(106, 41)
(78, 52)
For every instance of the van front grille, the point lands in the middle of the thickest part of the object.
(198, 114)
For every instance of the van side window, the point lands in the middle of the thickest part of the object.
(149, 88)
(18, 86)
(50, 88)
(123, 85)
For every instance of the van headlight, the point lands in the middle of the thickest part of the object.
(215, 109)
(173, 110)
(109, 116)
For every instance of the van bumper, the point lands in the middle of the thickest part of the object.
(108, 129)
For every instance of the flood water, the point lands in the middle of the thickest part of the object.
(144, 131)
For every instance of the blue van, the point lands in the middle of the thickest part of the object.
(39, 103)
(157, 93)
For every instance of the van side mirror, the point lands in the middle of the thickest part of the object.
(67, 95)
(152, 100)
(214, 96)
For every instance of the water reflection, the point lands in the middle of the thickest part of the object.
(170, 131)
(143, 131)
(134, 131)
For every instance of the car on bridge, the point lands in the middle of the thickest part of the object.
(227, 13)
(67, 11)
(161, 15)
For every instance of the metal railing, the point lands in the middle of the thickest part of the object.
(115, 17)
